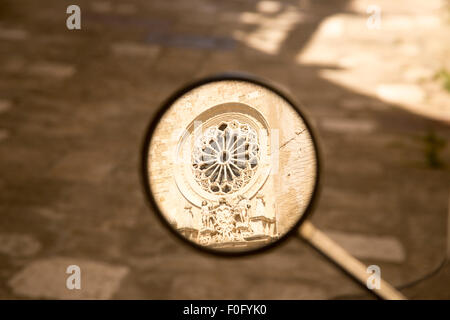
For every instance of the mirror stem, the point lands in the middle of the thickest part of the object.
(342, 258)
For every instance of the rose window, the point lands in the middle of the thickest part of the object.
(225, 157)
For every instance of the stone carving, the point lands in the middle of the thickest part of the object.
(225, 157)
(243, 206)
(208, 219)
(225, 223)
(228, 222)
(259, 217)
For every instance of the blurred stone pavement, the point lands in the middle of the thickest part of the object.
(74, 106)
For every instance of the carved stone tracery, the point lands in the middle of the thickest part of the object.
(226, 222)
(225, 157)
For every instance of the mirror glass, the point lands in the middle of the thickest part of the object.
(230, 165)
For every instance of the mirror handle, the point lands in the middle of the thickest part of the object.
(333, 251)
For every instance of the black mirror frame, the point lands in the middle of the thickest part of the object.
(154, 123)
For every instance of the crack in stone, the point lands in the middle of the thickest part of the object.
(291, 139)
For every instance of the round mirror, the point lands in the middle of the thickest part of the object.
(230, 164)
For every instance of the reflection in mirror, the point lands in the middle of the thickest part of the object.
(231, 165)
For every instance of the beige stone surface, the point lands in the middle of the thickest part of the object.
(4, 134)
(396, 62)
(377, 183)
(5, 105)
(13, 34)
(19, 245)
(52, 69)
(379, 248)
(88, 166)
(129, 49)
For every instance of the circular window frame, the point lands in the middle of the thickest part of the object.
(215, 115)
(225, 157)
(145, 157)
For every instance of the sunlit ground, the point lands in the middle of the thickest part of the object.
(403, 60)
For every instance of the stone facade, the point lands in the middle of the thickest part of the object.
(232, 165)
(228, 223)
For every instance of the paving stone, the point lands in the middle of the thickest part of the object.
(194, 286)
(343, 125)
(14, 64)
(401, 93)
(363, 168)
(5, 105)
(52, 69)
(332, 27)
(407, 22)
(126, 8)
(101, 6)
(357, 59)
(13, 34)
(409, 49)
(355, 104)
(49, 213)
(291, 291)
(192, 41)
(190, 286)
(18, 245)
(382, 248)
(4, 134)
(46, 278)
(131, 49)
(270, 32)
(416, 73)
(268, 6)
(83, 166)
(351, 198)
